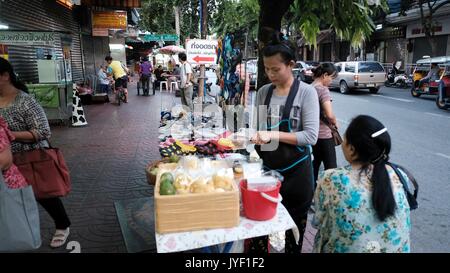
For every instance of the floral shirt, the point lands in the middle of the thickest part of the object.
(346, 220)
(13, 178)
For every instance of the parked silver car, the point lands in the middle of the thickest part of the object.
(359, 75)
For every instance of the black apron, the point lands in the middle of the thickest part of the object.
(292, 161)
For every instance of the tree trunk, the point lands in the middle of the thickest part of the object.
(433, 45)
(176, 10)
(270, 16)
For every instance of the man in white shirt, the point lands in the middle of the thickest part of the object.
(187, 88)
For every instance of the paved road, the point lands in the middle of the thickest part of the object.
(421, 141)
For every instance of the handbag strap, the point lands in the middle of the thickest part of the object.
(403, 181)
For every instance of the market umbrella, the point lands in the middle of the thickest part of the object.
(171, 49)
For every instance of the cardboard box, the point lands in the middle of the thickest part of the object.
(196, 211)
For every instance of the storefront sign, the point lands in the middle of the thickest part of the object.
(417, 30)
(28, 38)
(201, 51)
(109, 20)
(100, 32)
(160, 37)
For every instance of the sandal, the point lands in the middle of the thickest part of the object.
(60, 238)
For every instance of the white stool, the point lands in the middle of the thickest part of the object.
(173, 86)
(160, 85)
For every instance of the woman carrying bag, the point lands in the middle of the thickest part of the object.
(324, 150)
(288, 124)
(29, 126)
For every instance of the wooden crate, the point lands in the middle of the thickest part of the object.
(197, 211)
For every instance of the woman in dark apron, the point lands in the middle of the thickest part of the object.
(288, 124)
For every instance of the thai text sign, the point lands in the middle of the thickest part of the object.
(160, 37)
(201, 51)
(27, 38)
(109, 20)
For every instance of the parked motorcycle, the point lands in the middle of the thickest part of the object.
(397, 80)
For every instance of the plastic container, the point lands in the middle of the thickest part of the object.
(260, 205)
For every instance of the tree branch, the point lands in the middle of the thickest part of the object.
(440, 5)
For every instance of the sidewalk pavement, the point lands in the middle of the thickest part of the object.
(107, 160)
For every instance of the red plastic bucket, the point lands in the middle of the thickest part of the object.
(260, 205)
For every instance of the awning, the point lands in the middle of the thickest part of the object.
(113, 3)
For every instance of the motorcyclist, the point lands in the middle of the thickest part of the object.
(432, 75)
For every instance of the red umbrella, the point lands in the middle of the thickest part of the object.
(171, 49)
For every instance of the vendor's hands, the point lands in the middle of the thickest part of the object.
(261, 137)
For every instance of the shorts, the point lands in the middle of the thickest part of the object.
(122, 82)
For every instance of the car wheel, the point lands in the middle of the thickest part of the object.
(374, 90)
(441, 104)
(414, 93)
(343, 87)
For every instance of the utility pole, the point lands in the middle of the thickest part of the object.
(204, 32)
(177, 23)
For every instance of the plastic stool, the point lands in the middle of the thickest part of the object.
(160, 85)
(173, 86)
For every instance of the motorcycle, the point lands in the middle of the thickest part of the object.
(397, 80)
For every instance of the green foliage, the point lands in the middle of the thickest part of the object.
(157, 16)
(232, 16)
(350, 19)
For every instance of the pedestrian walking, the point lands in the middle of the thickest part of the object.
(145, 73)
(291, 126)
(362, 207)
(187, 87)
(324, 150)
(30, 129)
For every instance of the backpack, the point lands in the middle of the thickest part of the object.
(411, 189)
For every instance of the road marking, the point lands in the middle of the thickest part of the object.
(403, 100)
(445, 156)
(436, 115)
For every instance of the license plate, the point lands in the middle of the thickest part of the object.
(370, 85)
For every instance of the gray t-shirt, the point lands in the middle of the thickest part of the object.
(304, 115)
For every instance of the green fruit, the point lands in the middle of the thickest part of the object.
(167, 177)
(174, 159)
(167, 188)
(154, 171)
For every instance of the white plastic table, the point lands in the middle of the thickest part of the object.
(182, 241)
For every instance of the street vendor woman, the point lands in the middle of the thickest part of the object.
(288, 124)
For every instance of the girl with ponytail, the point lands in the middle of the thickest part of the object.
(362, 207)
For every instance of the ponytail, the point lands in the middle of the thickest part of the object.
(382, 196)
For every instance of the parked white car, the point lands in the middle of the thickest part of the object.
(359, 75)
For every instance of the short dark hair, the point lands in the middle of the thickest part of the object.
(6, 67)
(108, 58)
(182, 56)
(279, 45)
